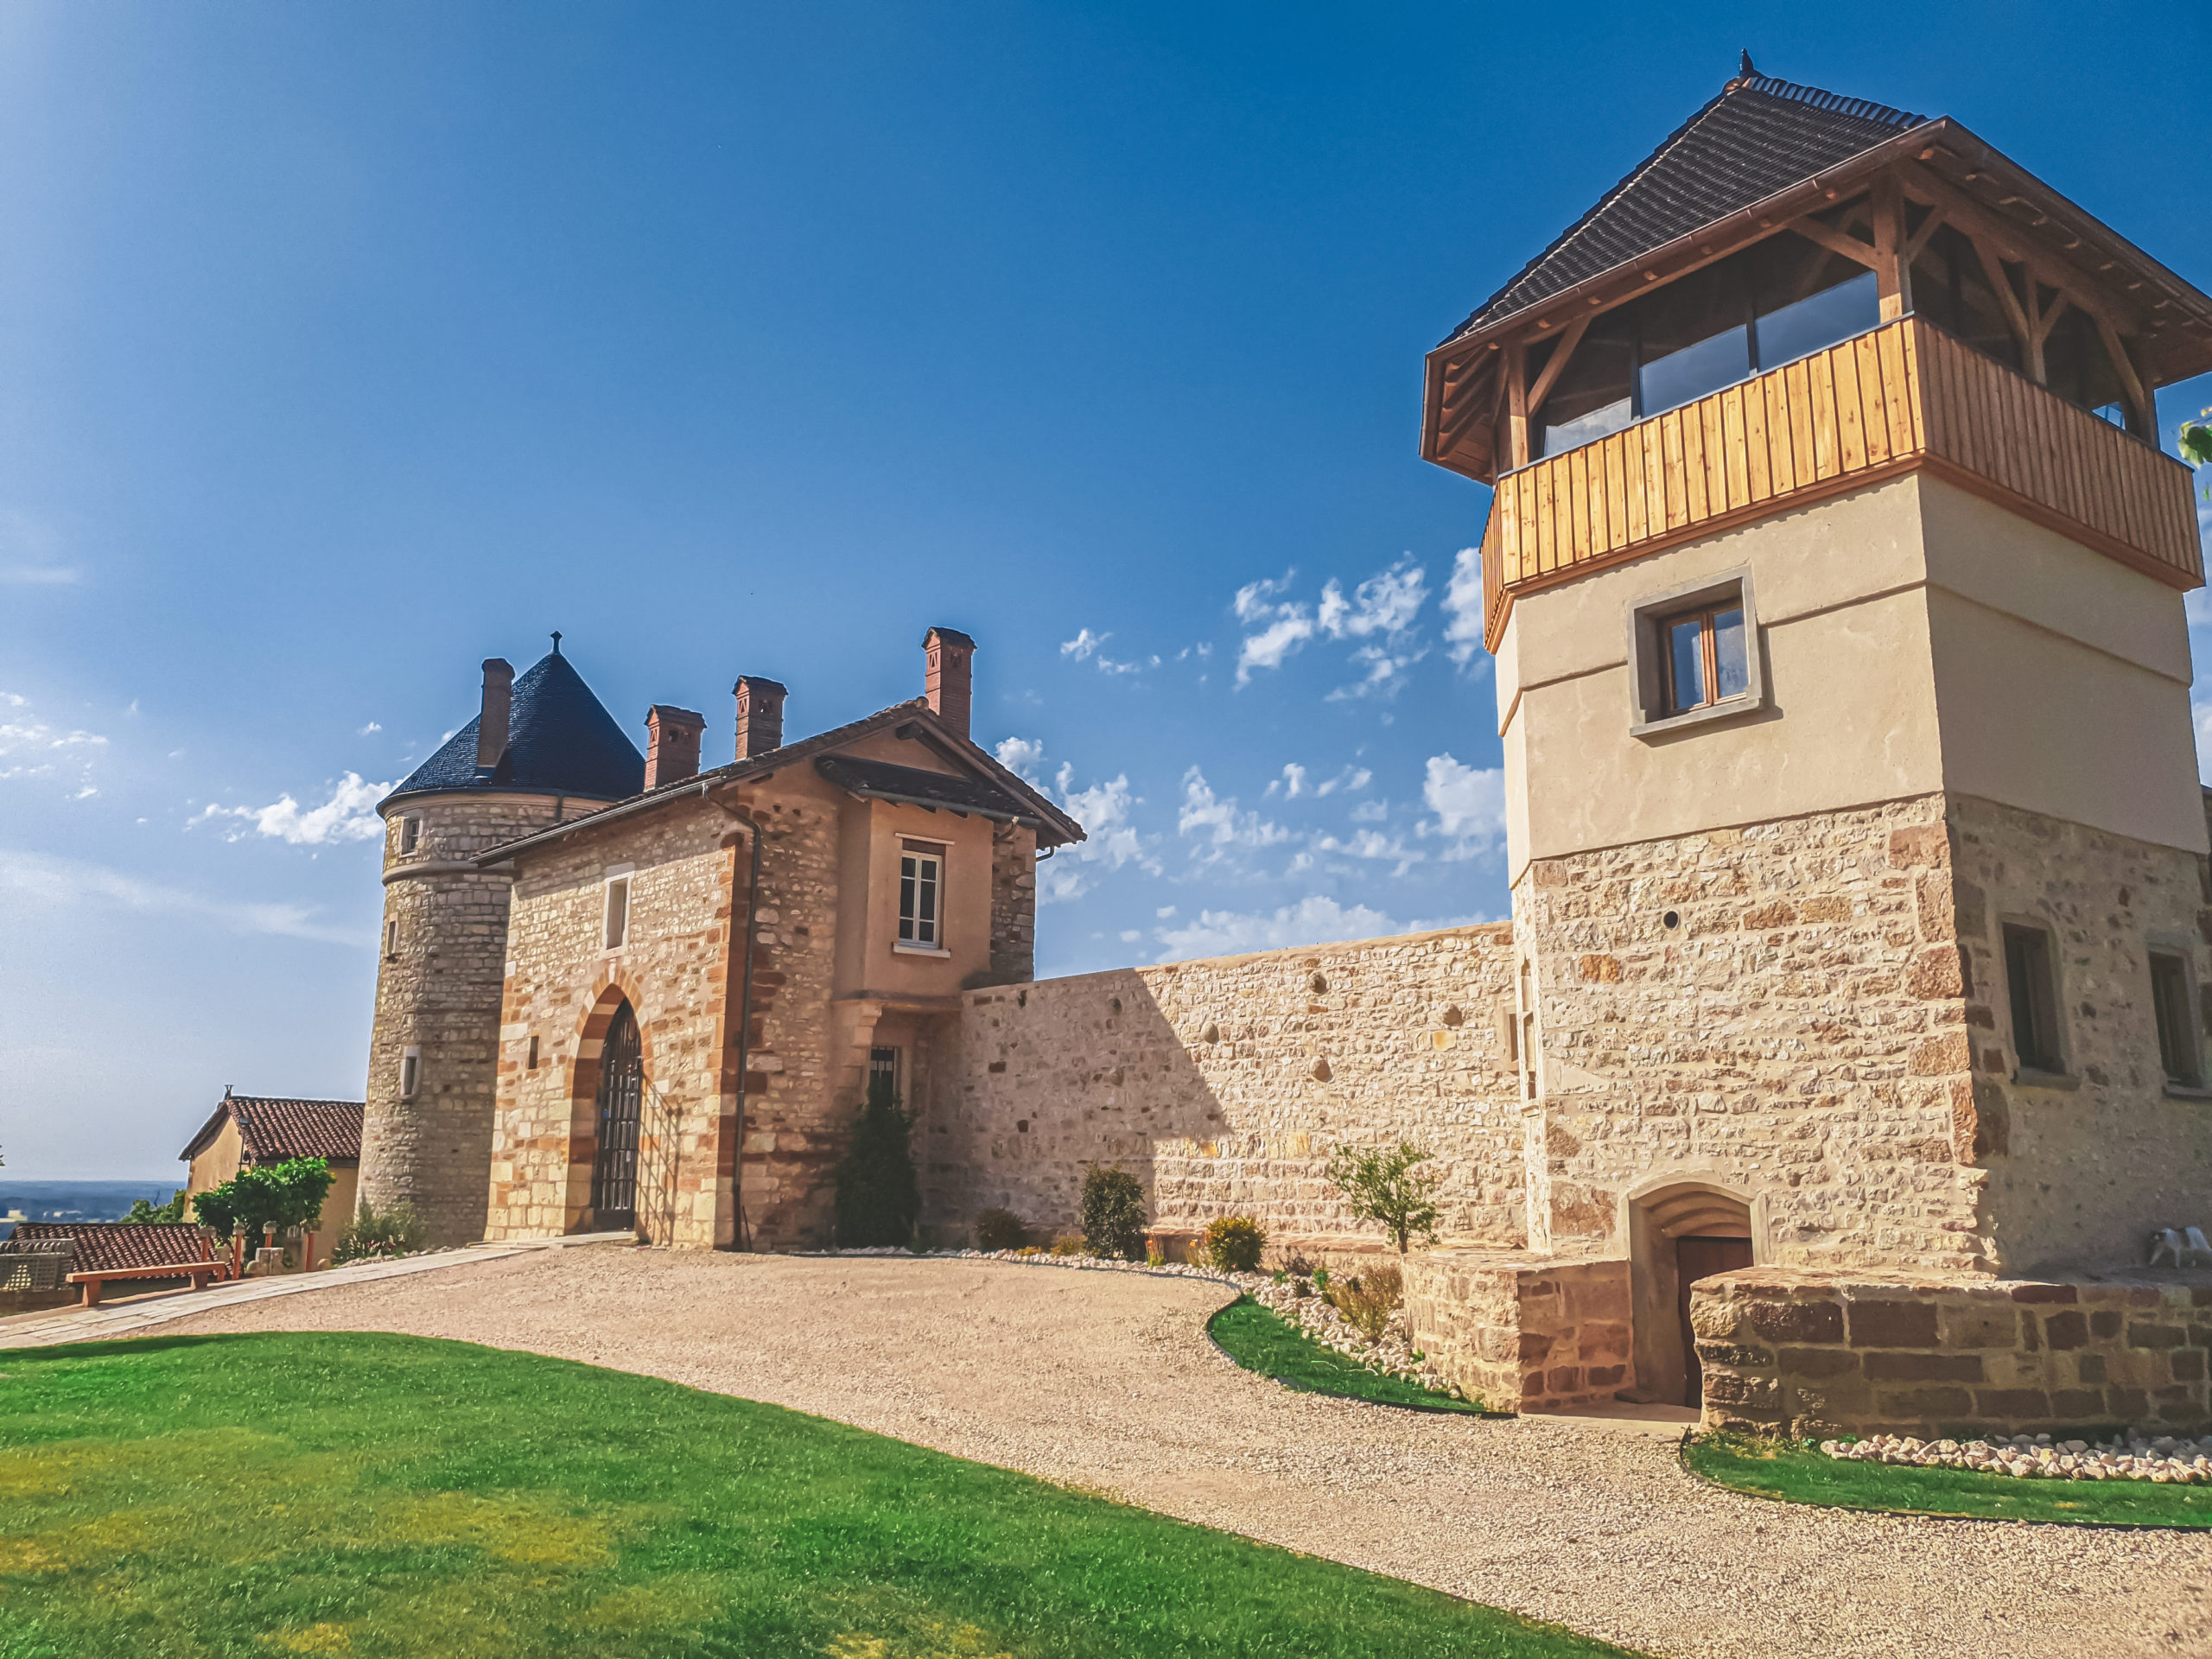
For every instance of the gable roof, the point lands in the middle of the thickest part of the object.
(1759, 136)
(561, 740)
(884, 780)
(272, 1129)
(101, 1245)
(1055, 826)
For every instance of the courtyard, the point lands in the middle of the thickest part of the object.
(1106, 1383)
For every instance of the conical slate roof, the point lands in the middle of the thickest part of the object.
(561, 740)
(1759, 137)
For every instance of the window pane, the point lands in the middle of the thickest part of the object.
(1671, 381)
(1834, 314)
(1686, 653)
(906, 899)
(925, 901)
(1730, 668)
(1585, 428)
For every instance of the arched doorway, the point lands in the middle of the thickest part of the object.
(1678, 1235)
(621, 1094)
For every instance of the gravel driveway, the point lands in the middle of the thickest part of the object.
(1105, 1380)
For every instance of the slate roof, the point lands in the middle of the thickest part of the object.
(561, 740)
(272, 1129)
(103, 1244)
(1055, 826)
(913, 786)
(1759, 136)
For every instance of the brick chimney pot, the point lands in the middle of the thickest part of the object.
(671, 744)
(947, 653)
(499, 703)
(759, 715)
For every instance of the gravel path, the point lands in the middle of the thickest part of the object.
(1105, 1381)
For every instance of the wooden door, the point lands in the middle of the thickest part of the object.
(621, 1090)
(1696, 1259)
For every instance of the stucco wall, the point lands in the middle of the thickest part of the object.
(1223, 1083)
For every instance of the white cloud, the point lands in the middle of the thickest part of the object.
(1373, 846)
(1084, 645)
(348, 814)
(371, 727)
(1469, 804)
(66, 883)
(1292, 784)
(1218, 824)
(1024, 757)
(1316, 919)
(1164, 912)
(1462, 605)
(1371, 812)
(31, 748)
(2202, 711)
(1381, 612)
(1350, 780)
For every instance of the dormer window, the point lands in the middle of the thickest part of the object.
(921, 896)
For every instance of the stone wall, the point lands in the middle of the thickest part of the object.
(2080, 1166)
(1522, 1335)
(1014, 905)
(438, 983)
(563, 989)
(1223, 1083)
(1809, 1354)
(1770, 1009)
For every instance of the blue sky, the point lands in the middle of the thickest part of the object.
(343, 345)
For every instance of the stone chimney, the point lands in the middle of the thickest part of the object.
(947, 651)
(759, 715)
(671, 744)
(492, 723)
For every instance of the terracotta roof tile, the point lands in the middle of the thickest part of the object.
(101, 1245)
(272, 1130)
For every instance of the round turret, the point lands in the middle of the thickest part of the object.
(541, 749)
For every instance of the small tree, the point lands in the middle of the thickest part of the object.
(1382, 1184)
(145, 1212)
(1113, 1213)
(265, 1196)
(879, 1200)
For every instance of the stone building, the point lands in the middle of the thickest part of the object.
(1847, 1037)
(574, 937)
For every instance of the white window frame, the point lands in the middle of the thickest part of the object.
(616, 904)
(410, 834)
(920, 934)
(410, 1072)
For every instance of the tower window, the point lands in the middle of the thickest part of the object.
(921, 885)
(1705, 660)
(533, 1052)
(410, 835)
(1693, 655)
(2179, 1051)
(883, 1071)
(410, 1073)
(617, 911)
(391, 941)
(2033, 988)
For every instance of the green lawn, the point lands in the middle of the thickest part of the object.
(1801, 1475)
(382, 1495)
(1261, 1340)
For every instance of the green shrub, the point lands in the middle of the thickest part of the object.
(145, 1211)
(1380, 1184)
(1069, 1244)
(266, 1196)
(1000, 1229)
(1369, 1298)
(369, 1236)
(1233, 1243)
(1113, 1213)
(877, 1198)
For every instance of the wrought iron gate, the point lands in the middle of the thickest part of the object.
(621, 1090)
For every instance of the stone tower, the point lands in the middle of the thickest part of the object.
(1834, 580)
(541, 749)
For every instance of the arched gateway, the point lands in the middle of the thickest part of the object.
(1678, 1234)
(621, 1093)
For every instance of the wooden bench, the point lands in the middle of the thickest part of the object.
(200, 1273)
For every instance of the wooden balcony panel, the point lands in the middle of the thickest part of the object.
(1900, 398)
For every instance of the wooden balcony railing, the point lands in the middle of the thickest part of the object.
(1902, 397)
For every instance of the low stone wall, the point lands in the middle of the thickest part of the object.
(1522, 1334)
(1807, 1354)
